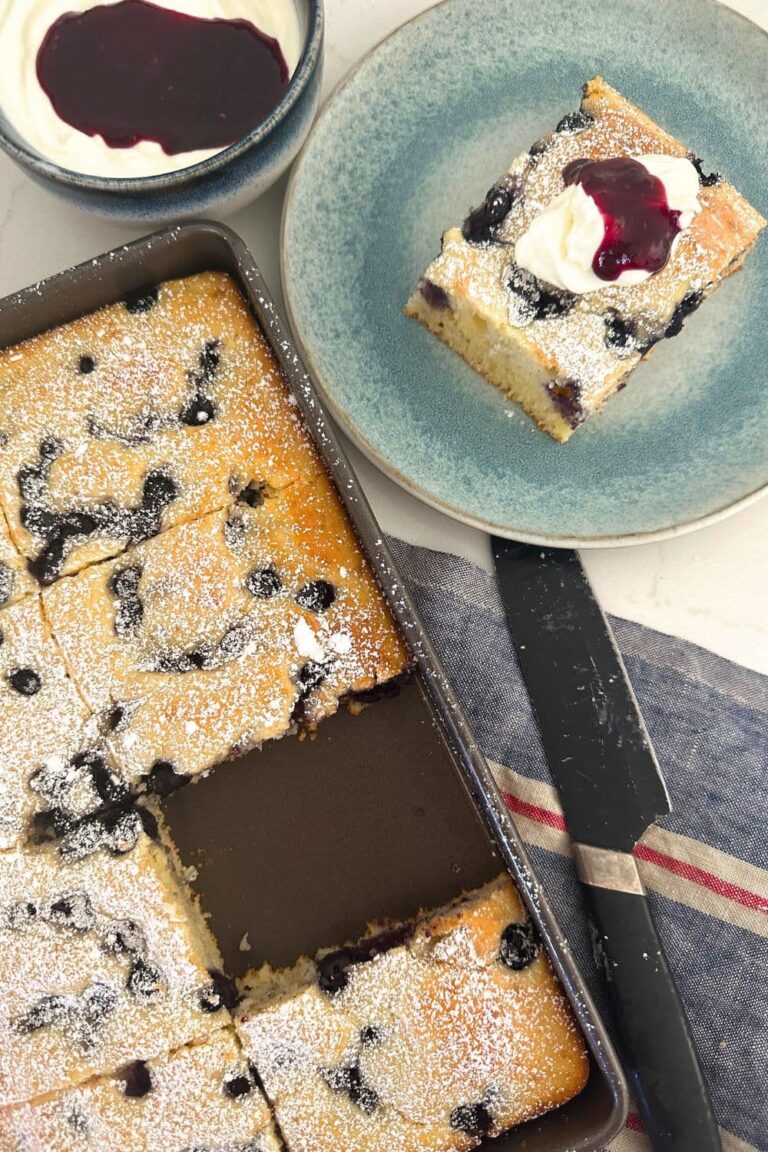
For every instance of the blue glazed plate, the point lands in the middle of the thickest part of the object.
(413, 138)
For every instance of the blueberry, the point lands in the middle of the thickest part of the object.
(124, 938)
(538, 300)
(77, 1120)
(163, 778)
(333, 971)
(182, 662)
(474, 1119)
(310, 676)
(25, 682)
(107, 786)
(386, 691)
(253, 495)
(238, 1085)
(687, 305)
(74, 911)
(141, 301)
(349, 1081)
(370, 1036)
(86, 365)
(566, 397)
(220, 993)
(235, 639)
(137, 1079)
(210, 359)
(98, 1003)
(50, 1010)
(620, 332)
(129, 610)
(116, 832)
(316, 596)
(21, 914)
(333, 967)
(198, 412)
(116, 718)
(145, 980)
(434, 295)
(575, 122)
(706, 179)
(158, 492)
(538, 148)
(49, 825)
(520, 946)
(264, 583)
(482, 223)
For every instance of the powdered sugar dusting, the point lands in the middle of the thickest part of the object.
(418, 1042)
(117, 945)
(187, 1104)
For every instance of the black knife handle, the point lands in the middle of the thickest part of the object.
(656, 1038)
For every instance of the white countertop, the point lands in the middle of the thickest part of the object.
(708, 587)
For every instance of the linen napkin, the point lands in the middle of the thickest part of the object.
(705, 865)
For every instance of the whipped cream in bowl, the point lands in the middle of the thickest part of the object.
(148, 110)
(30, 49)
(616, 222)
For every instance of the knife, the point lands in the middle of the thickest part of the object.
(611, 790)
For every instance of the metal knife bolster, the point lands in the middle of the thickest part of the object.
(604, 868)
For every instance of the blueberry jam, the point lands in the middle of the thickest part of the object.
(134, 71)
(640, 226)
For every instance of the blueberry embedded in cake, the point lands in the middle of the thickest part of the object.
(105, 959)
(267, 608)
(148, 413)
(44, 727)
(203, 1096)
(596, 244)
(431, 1035)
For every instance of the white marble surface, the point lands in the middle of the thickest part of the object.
(709, 587)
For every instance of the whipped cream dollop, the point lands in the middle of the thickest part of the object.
(560, 244)
(23, 27)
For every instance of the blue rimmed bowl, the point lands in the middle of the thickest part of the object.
(221, 184)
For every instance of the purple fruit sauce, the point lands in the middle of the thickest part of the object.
(133, 71)
(640, 227)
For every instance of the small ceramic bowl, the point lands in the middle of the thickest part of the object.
(221, 184)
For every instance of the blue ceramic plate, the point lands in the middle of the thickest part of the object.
(415, 136)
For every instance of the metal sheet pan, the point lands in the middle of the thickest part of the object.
(299, 845)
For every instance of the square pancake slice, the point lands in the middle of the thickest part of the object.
(42, 718)
(200, 1096)
(561, 355)
(222, 633)
(105, 959)
(429, 1035)
(146, 414)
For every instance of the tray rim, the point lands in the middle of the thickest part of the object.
(468, 759)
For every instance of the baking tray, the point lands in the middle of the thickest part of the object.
(298, 845)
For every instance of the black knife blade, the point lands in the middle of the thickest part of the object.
(611, 790)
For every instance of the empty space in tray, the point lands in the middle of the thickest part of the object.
(300, 844)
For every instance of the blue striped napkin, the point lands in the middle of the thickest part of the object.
(705, 865)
